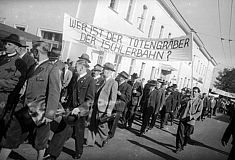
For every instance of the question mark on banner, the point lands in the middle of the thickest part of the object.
(168, 54)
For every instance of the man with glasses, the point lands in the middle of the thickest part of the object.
(188, 118)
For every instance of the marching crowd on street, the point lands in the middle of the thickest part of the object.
(39, 93)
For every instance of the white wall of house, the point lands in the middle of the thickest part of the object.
(49, 14)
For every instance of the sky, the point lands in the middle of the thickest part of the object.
(203, 17)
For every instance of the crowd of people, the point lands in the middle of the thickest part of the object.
(39, 93)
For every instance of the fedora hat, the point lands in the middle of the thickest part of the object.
(134, 75)
(13, 38)
(152, 83)
(54, 54)
(86, 57)
(98, 67)
(109, 66)
(124, 75)
(23, 43)
(83, 62)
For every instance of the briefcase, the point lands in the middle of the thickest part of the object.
(104, 118)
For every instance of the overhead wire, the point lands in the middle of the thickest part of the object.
(230, 25)
(221, 39)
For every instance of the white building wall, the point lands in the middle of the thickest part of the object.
(48, 14)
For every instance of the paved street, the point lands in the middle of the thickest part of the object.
(156, 144)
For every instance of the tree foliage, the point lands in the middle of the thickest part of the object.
(226, 80)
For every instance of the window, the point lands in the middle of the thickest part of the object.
(142, 69)
(113, 4)
(131, 66)
(117, 61)
(100, 57)
(142, 18)
(153, 71)
(130, 10)
(21, 27)
(151, 27)
(53, 38)
(161, 31)
(198, 62)
(188, 83)
(200, 70)
(185, 79)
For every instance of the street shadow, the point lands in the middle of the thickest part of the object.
(174, 134)
(168, 146)
(197, 143)
(15, 155)
(154, 151)
(222, 118)
(68, 151)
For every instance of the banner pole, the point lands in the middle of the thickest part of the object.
(193, 58)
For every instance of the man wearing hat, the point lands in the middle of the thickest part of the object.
(79, 103)
(43, 84)
(66, 78)
(96, 74)
(176, 102)
(12, 77)
(29, 60)
(149, 106)
(85, 57)
(137, 90)
(99, 81)
(123, 98)
(160, 99)
(104, 102)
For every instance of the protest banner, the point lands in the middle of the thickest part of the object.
(166, 49)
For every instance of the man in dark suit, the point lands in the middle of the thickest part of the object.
(176, 103)
(29, 60)
(167, 107)
(99, 82)
(79, 103)
(137, 91)
(150, 105)
(12, 77)
(123, 97)
(160, 99)
(43, 84)
(230, 131)
(96, 74)
(12, 69)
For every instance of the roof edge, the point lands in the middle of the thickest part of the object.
(173, 12)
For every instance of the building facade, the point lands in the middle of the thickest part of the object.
(140, 18)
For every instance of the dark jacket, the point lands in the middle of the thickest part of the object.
(145, 96)
(230, 131)
(44, 81)
(83, 92)
(99, 82)
(152, 101)
(12, 78)
(135, 97)
(29, 60)
(169, 103)
(176, 100)
(124, 98)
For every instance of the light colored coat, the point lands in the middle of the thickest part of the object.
(45, 75)
(67, 78)
(193, 109)
(108, 96)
